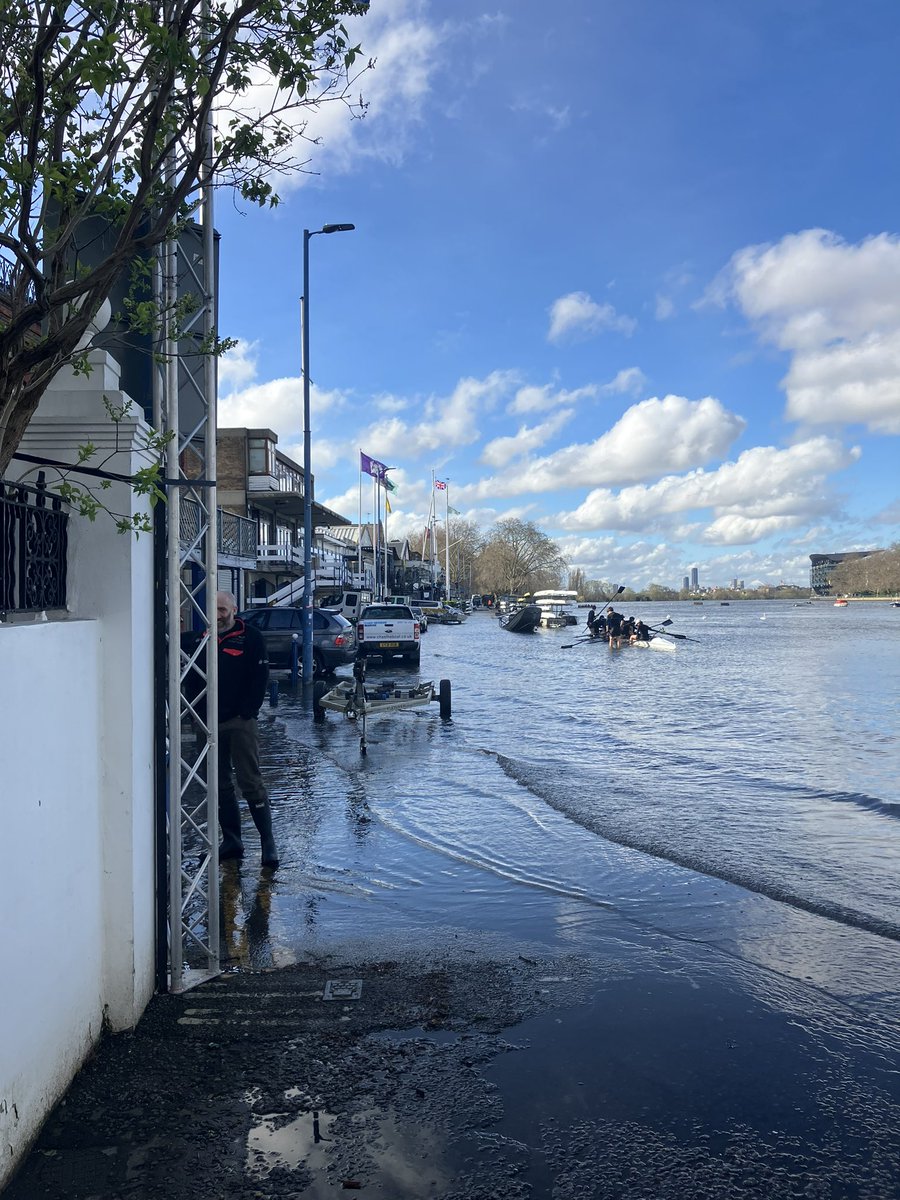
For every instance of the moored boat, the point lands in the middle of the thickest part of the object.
(555, 605)
(522, 620)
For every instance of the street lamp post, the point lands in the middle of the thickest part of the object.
(308, 588)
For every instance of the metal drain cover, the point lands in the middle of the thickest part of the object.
(343, 989)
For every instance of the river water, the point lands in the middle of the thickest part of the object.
(743, 791)
(695, 855)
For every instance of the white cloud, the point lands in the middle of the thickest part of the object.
(651, 438)
(665, 308)
(638, 563)
(835, 309)
(501, 451)
(764, 490)
(541, 399)
(446, 422)
(390, 404)
(630, 381)
(277, 405)
(237, 366)
(735, 530)
(407, 51)
(848, 382)
(577, 315)
(543, 113)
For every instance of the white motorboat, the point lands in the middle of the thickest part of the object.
(556, 605)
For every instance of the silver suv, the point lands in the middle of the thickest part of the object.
(334, 638)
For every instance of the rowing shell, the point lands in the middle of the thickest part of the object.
(655, 643)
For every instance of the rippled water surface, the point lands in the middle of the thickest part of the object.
(572, 780)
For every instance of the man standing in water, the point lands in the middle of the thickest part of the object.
(243, 675)
(614, 628)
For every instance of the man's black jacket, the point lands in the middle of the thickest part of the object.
(243, 670)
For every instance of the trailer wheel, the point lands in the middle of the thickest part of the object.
(444, 697)
(319, 690)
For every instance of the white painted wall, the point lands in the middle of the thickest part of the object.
(76, 822)
(51, 871)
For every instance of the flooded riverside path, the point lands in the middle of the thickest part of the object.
(625, 926)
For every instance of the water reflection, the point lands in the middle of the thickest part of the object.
(245, 911)
(278, 1141)
(722, 758)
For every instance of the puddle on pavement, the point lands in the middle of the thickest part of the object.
(276, 1141)
(307, 1145)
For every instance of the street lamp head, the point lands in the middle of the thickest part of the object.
(337, 228)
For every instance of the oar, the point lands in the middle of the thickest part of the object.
(604, 600)
(582, 642)
(682, 637)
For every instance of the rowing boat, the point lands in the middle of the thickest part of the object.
(657, 643)
(653, 643)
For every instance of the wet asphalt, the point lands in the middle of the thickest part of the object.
(478, 1071)
(476, 1059)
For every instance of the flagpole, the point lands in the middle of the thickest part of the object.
(384, 484)
(433, 539)
(375, 573)
(447, 535)
(359, 528)
(425, 535)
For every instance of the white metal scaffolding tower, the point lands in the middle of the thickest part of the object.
(185, 402)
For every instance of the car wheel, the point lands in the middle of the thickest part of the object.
(412, 657)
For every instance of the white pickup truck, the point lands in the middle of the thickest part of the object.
(389, 630)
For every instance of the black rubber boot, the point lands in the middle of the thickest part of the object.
(231, 845)
(262, 819)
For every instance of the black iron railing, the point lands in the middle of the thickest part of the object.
(236, 536)
(34, 539)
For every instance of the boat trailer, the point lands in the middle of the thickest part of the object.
(358, 700)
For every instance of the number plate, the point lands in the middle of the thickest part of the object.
(389, 645)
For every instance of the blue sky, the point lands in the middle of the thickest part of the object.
(629, 270)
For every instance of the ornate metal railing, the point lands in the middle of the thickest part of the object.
(34, 538)
(236, 535)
